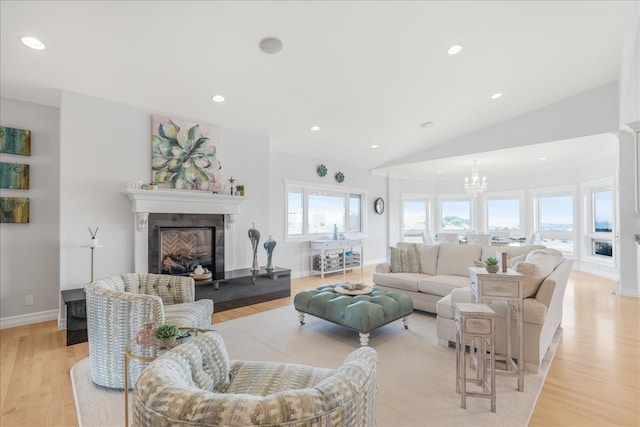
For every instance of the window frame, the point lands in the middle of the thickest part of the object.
(510, 195)
(307, 188)
(589, 233)
(417, 197)
(559, 191)
(457, 198)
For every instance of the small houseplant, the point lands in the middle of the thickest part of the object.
(153, 185)
(492, 265)
(166, 335)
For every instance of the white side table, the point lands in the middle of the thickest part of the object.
(508, 286)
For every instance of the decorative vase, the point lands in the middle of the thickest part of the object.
(335, 232)
(167, 343)
(145, 335)
(269, 244)
(254, 236)
(493, 268)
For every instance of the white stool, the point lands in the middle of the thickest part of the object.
(476, 327)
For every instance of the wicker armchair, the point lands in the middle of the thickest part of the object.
(195, 384)
(117, 308)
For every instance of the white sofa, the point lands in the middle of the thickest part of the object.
(438, 270)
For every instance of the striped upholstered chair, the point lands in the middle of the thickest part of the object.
(119, 306)
(195, 384)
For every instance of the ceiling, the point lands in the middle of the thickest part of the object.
(365, 72)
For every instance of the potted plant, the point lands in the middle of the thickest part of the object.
(492, 265)
(153, 185)
(166, 335)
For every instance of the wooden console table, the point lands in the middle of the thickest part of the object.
(509, 287)
(329, 256)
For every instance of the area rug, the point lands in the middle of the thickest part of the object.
(416, 377)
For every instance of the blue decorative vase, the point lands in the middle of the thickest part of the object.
(269, 244)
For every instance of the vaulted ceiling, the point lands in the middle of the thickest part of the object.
(365, 72)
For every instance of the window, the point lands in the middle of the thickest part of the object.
(503, 214)
(294, 213)
(415, 220)
(555, 220)
(455, 215)
(600, 233)
(313, 211)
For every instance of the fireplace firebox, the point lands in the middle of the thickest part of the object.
(180, 242)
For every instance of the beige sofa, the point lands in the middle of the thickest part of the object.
(542, 309)
(437, 271)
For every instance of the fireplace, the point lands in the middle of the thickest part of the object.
(179, 242)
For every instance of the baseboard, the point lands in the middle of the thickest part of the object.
(28, 319)
(623, 292)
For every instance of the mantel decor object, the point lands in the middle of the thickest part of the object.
(254, 236)
(269, 244)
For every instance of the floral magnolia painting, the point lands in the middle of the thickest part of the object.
(184, 155)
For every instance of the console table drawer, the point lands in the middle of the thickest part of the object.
(508, 289)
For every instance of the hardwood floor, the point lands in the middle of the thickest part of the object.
(594, 379)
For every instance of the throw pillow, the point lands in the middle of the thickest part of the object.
(428, 255)
(395, 257)
(410, 260)
(537, 265)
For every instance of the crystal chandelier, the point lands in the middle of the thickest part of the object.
(475, 186)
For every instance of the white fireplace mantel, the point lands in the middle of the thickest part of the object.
(144, 202)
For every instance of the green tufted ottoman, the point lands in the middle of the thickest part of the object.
(361, 313)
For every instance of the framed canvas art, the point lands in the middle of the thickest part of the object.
(15, 141)
(14, 175)
(14, 210)
(184, 155)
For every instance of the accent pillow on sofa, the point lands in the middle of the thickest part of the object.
(456, 259)
(537, 265)
(404, 259)
(428, 255)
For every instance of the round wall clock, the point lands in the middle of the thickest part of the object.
(321, 170)
(378, 206)
(340, 177)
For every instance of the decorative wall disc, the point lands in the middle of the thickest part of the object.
(321, 170)
(339, 177)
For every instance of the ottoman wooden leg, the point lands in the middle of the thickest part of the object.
(364, 338)
(301, 317)
(405, 322)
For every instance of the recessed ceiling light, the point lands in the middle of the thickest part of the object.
(217, 98)
(32, 42)
(542, 158)
(315, 128)
(426, 124)
(439, 171)
(456, 48)
(270, 45)
(375, 146)
(496, 95)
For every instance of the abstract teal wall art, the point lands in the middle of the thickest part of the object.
(14, 210)
(14, 175)
(15, 141)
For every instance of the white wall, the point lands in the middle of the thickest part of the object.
(29, 259)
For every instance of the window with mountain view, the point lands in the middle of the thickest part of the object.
(555, 221)
(602, 223)
(503, 214)
(455, 215)
(415, 219)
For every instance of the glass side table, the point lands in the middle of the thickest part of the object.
(146, 354)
